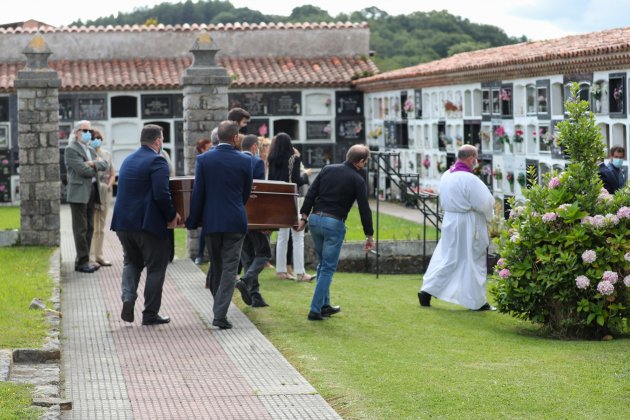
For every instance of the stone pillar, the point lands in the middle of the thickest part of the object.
(205, 86)
(37, 88)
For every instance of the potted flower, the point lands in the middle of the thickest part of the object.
(502, 136)
(509, 177)
(498, 175)
(521, 179)
(618, 95)
(408, 106)
(518, 140)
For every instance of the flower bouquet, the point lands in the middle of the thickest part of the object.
(521, 179)
(502, 135)
(408, 106)
(518, 136)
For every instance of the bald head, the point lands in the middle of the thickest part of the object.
(466, 151)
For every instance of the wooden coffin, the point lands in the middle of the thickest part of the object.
(181, 191)
(271, 205)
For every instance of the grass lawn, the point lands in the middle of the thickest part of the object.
(24, 274)
(384, 357)
(15, 401)
(9, 217)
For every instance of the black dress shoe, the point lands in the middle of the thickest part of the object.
(315, 316)
(127, 311)
(242, 287)
(157, 320)
(87, 268)
(328, 310)
(424, 298)
(224, 324)
(487, 307)
(259, 302)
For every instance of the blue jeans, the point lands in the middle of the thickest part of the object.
(328, 235)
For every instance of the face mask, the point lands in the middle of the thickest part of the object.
(86, 137)
(617, 162)
(95, 143)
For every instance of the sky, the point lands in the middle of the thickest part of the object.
(536, 19)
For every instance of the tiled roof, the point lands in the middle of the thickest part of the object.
(594, 51)
(165, 73)
(44, 29)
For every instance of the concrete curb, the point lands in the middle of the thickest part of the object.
(6, 360)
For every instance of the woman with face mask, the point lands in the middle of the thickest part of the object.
(106, 181)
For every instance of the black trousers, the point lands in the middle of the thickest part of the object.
(254, 256)
(83, 228)
(142, 249)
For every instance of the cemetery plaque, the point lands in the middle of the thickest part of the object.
(178, 106)
(92, 109)
(4, 108)
(349, 104)
(317, 155)
(351, 129)
(258, 127)
(318, 130)
(286, 103)
(4, 136)
(157, 106)
(256, 103)
(66, 109)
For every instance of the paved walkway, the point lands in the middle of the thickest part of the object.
(183, 370)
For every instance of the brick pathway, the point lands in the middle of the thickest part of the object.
(183, 370)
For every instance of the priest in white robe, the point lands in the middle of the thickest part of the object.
(457, 271)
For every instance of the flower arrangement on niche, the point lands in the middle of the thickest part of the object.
(509, 176)
(426, 162)
(498, 174)
(485, 135)
(327, 129)
(441, 166)
(408, 106)
(518, 136)
(506, 95)
(376, 132)
(502, 135)
(521, 179)
(451, 106)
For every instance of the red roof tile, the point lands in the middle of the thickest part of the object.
(594, 51)
(165, 73)
(186, 27)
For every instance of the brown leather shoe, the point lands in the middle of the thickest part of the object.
(104, 263)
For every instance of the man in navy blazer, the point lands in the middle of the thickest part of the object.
(142, 214)
(256, 250)
(223, 182)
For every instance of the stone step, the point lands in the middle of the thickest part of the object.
(6, 360)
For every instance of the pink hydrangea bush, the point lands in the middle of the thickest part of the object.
(569, 269)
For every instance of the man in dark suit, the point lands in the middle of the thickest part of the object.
(142, 214)
(223, 182)
(256, 250)
(82, 164)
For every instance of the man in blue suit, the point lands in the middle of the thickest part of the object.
(256, 250)
(223, 182)
(142, 214)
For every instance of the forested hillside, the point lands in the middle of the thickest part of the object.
(398, 41)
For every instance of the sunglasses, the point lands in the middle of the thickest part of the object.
(86, 130)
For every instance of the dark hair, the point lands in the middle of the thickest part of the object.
(357, 152)
(201, 145)
(96, 134)
(149, 133)
(615, 149)
(281, 149)
(248, 142)
(227, 130)
(237, 114)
